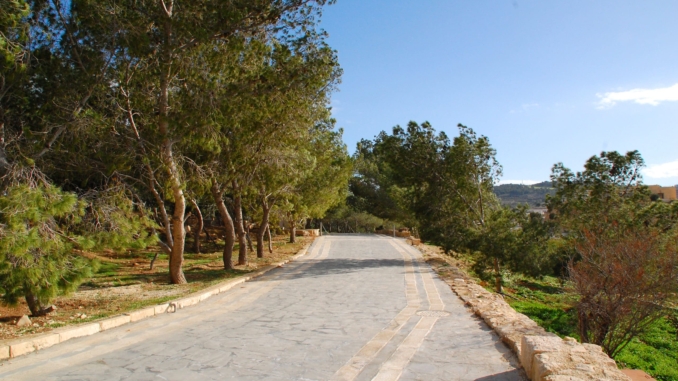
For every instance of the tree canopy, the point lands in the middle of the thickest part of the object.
(117, 117)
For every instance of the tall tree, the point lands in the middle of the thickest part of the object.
(326, 183)
(157, 41)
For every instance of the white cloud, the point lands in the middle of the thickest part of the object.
(641, 96)
(661, 171)
(523, 182)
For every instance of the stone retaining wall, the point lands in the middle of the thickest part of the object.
(543, 355)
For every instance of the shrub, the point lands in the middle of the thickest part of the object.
(624, 277)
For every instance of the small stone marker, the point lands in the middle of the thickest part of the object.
(24, 321)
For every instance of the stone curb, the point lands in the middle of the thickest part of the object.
(18, 347)
(543, 355)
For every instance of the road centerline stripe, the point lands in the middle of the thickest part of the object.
(393, 368)
(369, 351)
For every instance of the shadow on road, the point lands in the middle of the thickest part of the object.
(343, 266)
(511, 375)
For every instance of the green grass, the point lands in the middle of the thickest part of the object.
(556, 320)
(547, 303)
(655, 352)
(107, 269)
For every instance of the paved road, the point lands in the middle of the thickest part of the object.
(357, 307)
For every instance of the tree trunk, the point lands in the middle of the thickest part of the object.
(33, 304)
(263, 227)
(270, 241)
(229, 237)
(240, 228)
(293, 231)
(167, 226)
(497, 276)
(176, 259)
(583, 326)
(198, 228)
(249, 237)
(179, 235)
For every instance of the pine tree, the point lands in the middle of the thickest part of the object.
(44, 229)
(37, 260)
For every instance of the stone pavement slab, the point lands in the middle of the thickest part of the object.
(357, 307)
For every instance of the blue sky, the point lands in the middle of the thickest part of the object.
(546, 81)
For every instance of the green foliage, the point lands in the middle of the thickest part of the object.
(655, 351)
(445, 188)
(113, 222)
(43, 230)
(547, 302)
(373, 188)
(13, 31)
(556, 320)
(516, 240)
(36, 246)
(348, 220)
(609, 192)
(325, 185)
(622, 245)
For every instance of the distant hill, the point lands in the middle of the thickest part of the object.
(514, 194)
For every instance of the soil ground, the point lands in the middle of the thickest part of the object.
(125, 282)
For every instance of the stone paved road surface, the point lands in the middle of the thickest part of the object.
(357, 307)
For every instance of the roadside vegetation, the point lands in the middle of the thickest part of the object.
(549, 303)
(130, 127)
(124, 282)
(600, 266)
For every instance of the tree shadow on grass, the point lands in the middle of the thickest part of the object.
(534, 286)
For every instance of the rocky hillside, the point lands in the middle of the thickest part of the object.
(514, 194)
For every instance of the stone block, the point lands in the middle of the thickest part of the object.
(545, 364)
(78, 331)
(4, 351)
(141, 314)
(114, 322)
(593, 348)
(206, 295)
(531, 346)
(186, 302)
(45, 341)
(21, 348)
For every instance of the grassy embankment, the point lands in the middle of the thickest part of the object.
(548, 302)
